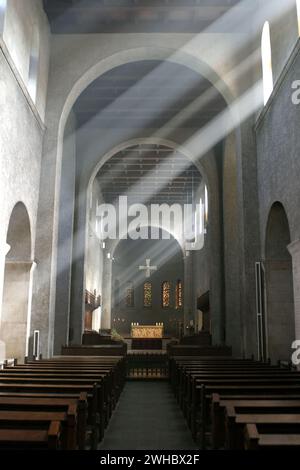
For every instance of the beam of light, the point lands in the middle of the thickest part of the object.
(218, 128)
(205, 139)
(214, 131)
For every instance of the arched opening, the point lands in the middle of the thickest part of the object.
(15, 319)
(33, 71)
(132, 102)
(279, 285)
(153, 284)
(3, 7)
(266, 56)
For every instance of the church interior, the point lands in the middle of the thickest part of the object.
(149, 224)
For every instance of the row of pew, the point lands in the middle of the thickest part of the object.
(60, 403)
(236, 403)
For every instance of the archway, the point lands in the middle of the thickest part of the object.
(159, 175)
(163, 112)
(279, 282)
(147, 296)
(15, 319)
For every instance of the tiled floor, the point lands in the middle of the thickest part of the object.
(147, 417)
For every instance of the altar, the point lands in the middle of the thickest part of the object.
(147, 336)
(147, 331)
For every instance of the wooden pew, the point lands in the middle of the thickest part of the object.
(41, 420)
(100, 378)
(256, 438)
(271, 423)
(109, 381)
(198, 379)
(78, 406)
(20, 439)
(59, 390)
(204, 394)
(276, 403)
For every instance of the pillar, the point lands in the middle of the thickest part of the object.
(188, 291)
(106, 295)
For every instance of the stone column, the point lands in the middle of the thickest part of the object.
(106, 295)
(188, 291)
(294, 249)
(33, 266)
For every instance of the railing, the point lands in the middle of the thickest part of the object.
(147, 366)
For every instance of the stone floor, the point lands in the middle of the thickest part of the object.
(147, 417)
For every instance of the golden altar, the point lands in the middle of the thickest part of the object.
(147, 331)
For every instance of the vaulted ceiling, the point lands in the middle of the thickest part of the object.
(148, 94)
(148, 98)
(111, 16)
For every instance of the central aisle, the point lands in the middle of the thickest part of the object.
(147, 417)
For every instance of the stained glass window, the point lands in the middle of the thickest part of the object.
(178, 295)
(147, 294)
(129, 295)
(166, 294)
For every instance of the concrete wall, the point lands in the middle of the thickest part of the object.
(278, 151)
(21, 21)
(22, 130)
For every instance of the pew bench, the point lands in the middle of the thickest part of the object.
(68, 405)
(272, 403)
(33, 439)
(271, 423)
(41, 420)
(255, 438)
(202, 400)
(59, 390)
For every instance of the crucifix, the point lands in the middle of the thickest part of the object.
(148, 268)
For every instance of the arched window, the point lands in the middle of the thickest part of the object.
(266, 55)
(3, 5)
(165, 292)
(298, 14)
(203, 211)
(205, 207)
(129, 295)
(178, 295)
(34, 63)
(147, 294)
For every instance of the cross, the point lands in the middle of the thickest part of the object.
(148, 268)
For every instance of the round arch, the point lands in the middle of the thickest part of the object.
(133, 55)
(16, 304)
(115, 243)
(128, 56)
(279, 284)
(18, 235)
(130, 254)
